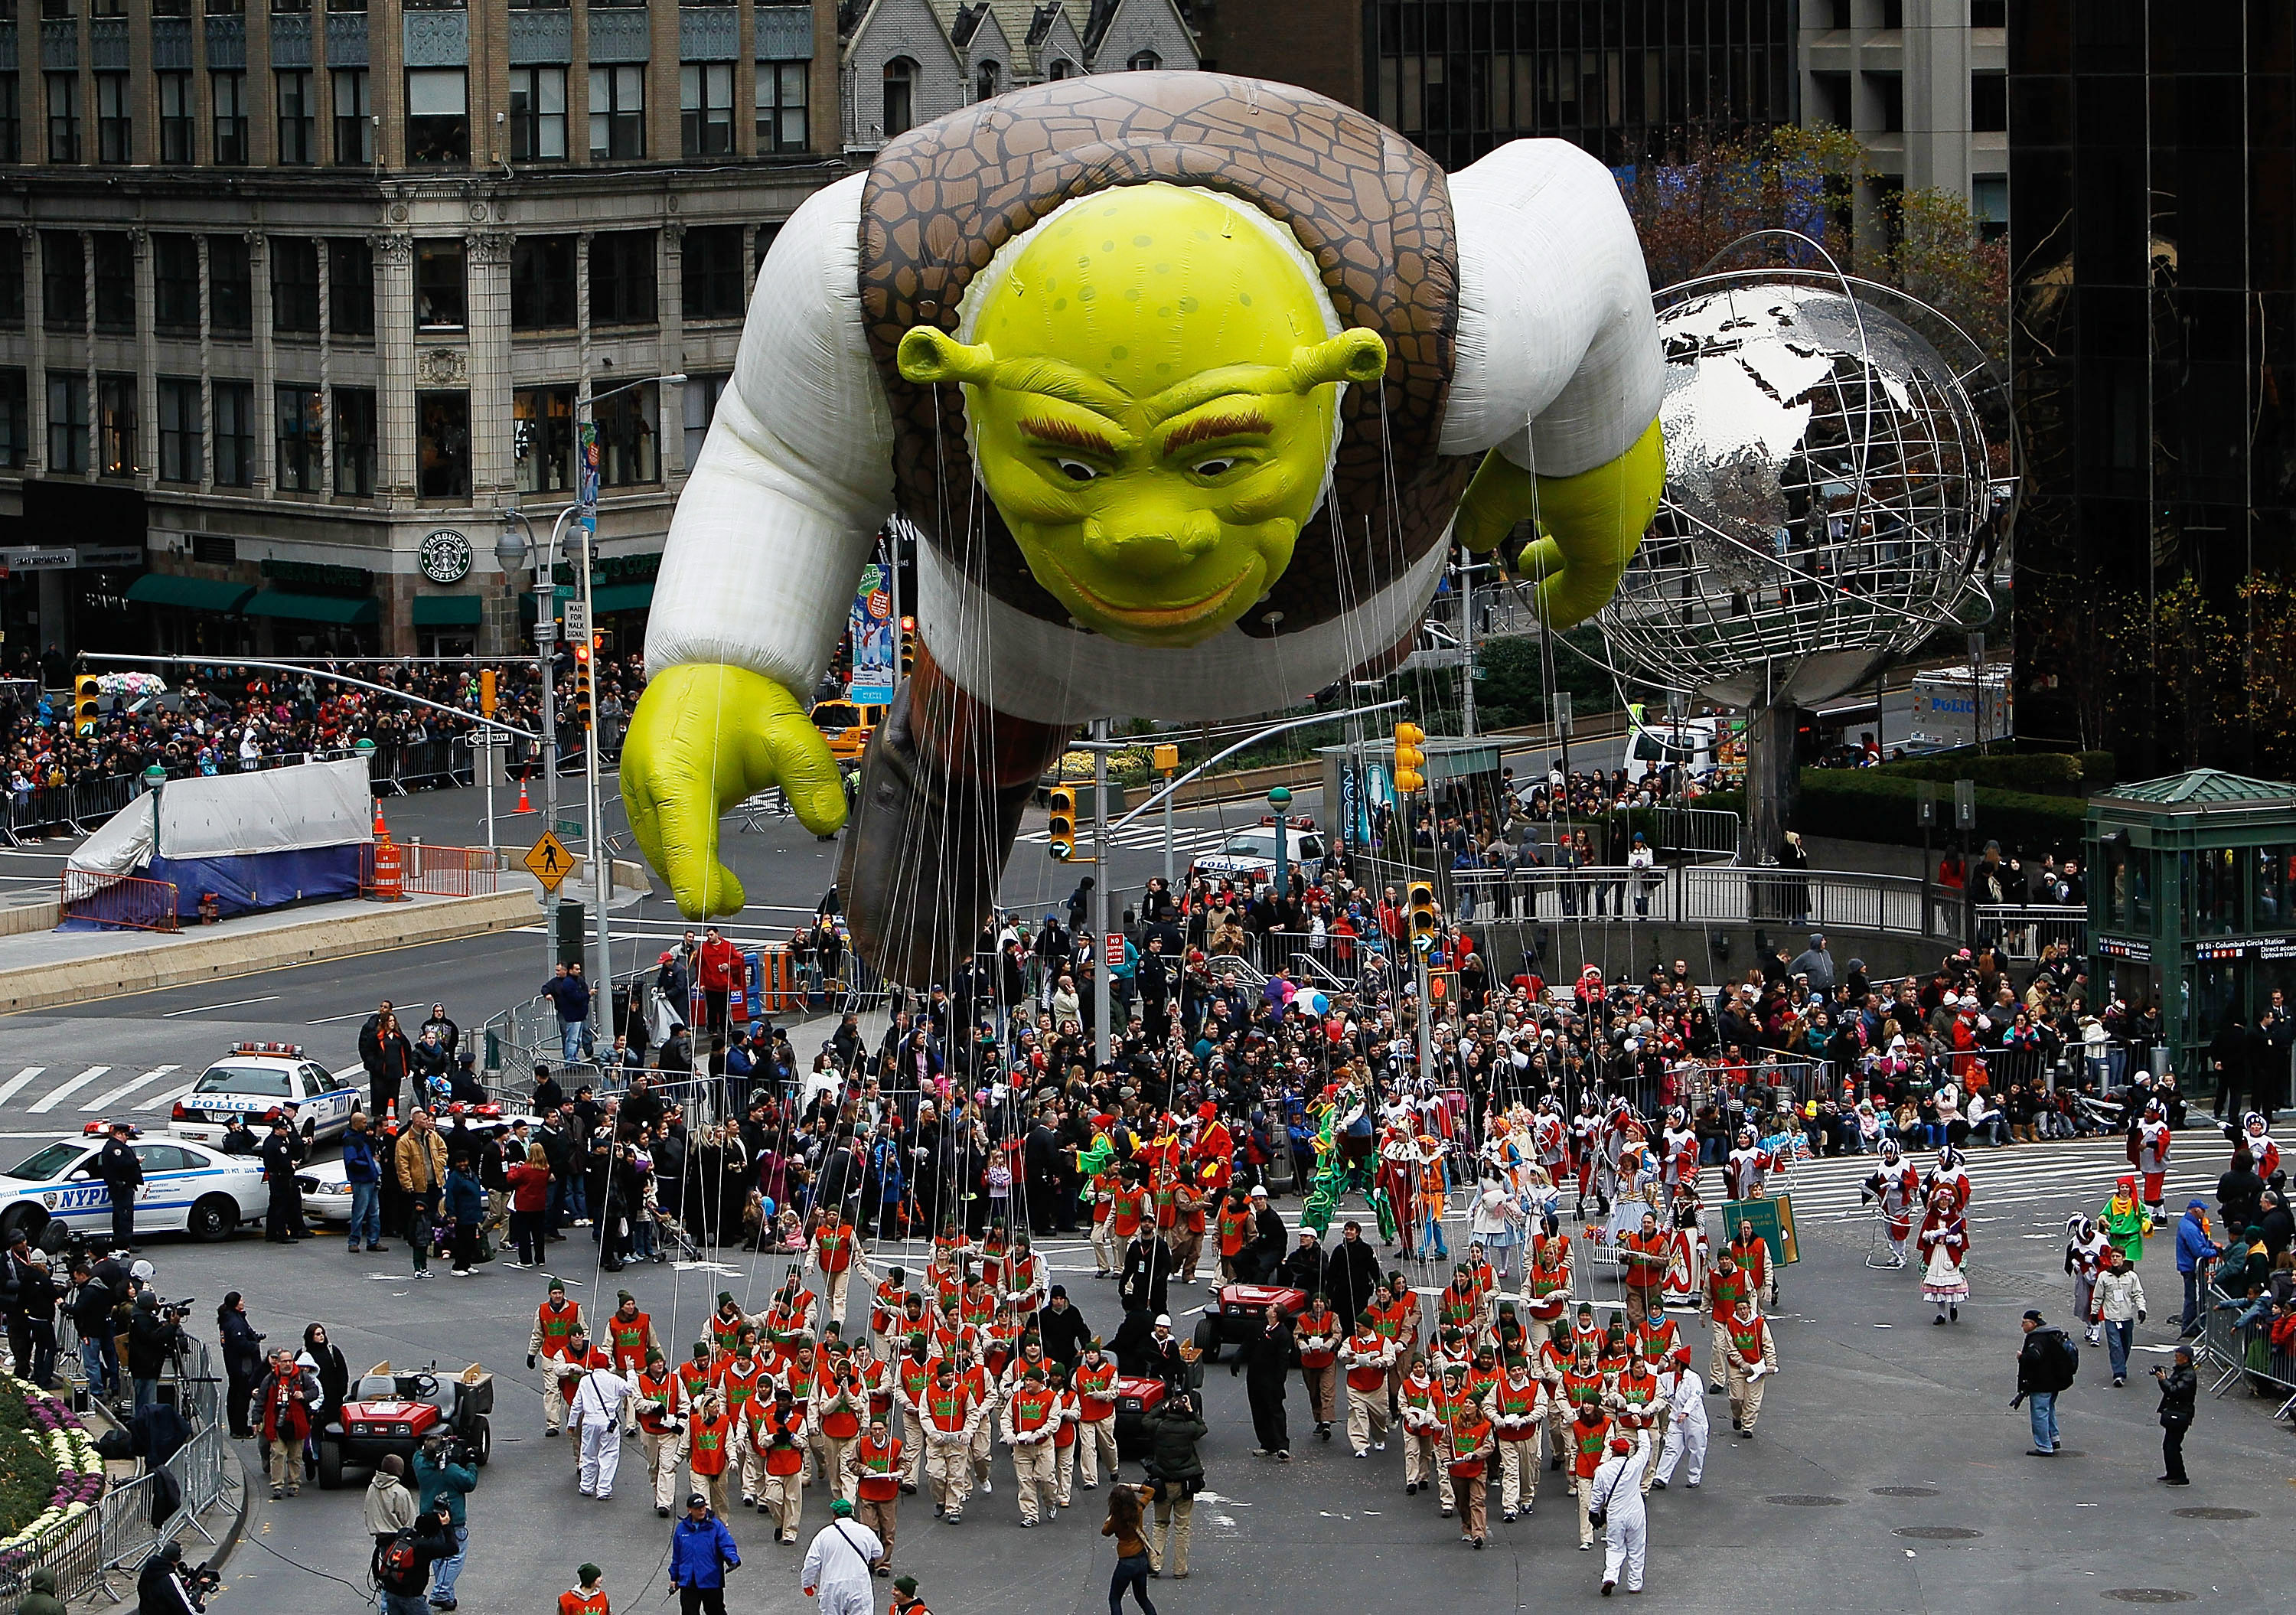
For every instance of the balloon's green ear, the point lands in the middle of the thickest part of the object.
(928, 354)
(1357, 354)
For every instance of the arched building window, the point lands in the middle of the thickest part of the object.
(900, 96)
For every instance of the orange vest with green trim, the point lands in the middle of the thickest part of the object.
(629, 1337)
(947, 1408)
(1518, 1402)
(556, 1324)
(574, 1602)
(779, 1438)
(878, 1468)
(840, 1421)
(1232, 1226)
(665, 1390)
(833, 1247)
(725, 1333)
(738, 1379)
(710, 1444)
(1032, 1412)
(1587, 1443)
(1093, 1386)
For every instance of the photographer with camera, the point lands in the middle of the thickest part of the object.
(155, 1332)
(446, 1472)
(285, 1399)
(91, 1305)
(401, 1567)
(167, 1585)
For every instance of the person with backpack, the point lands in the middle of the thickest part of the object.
(2047, 1364)
(401, 1567)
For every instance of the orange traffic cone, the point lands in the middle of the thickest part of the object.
(523, 805)
(381, 829)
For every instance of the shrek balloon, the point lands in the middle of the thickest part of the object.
(1186, 382)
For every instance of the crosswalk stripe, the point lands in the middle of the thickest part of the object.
(69, 1088)
(168, 1097)
(15, 1084)
(106, 1101)
(2035, 1185)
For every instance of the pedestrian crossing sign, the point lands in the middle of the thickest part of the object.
(550, 861)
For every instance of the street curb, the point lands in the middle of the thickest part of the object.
(148, 965)
(222, 1555)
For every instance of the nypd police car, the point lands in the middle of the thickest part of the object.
(1248, 856)
(187, 1188)
(261, 1081)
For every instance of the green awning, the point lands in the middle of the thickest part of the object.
(448, 611)
(192, 593)
(314, 608)
(621, 597)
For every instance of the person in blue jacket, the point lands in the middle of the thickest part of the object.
(2194, 1250)
(465, 1205)
(700, 1552)
(366, 1181)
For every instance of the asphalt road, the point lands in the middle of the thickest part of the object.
(1888, 1474)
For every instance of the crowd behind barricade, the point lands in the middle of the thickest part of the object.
(220, 718)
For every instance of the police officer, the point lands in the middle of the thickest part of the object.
(123, 1175)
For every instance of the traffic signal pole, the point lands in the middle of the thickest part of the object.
(1104, 973)
(1426, 1014)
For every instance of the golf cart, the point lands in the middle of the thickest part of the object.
(1136, 1399)
(392, 1412)
(1237, 1312)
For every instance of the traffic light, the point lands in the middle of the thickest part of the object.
(486, 692)
(1061, 830)
(1409, 759)
(584, 708)
(908, 645)
(1421, 903)
(85, 704)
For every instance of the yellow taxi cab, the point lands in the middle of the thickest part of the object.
(847, 726)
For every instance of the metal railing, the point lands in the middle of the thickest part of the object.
(2023, 929)
(128, 902)
(2235, 1349)
(440, 872)
(1700, 833)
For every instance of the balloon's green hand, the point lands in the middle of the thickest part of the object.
(704, 737)
(1590, 523)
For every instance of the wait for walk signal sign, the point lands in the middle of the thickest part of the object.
(550, 861)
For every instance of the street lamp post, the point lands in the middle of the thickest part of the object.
(1279, 799)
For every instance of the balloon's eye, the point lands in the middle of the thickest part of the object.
(1077, 471)
(1215, 467)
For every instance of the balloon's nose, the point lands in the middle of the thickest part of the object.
(1152, 544)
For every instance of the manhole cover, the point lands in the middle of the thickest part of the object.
(1806, 1500)
(1904, 1491)
(2147, 1595)
(2215, 1513)
(1939, 1533)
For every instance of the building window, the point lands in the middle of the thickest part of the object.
(617, 114)
(1893, 14)
(115, 426)
(350, 289)
(115, 126)
(700, 409)
(541, 5)
(226, 8)
(443, 446)
(115, 282)
(781, 90)
(986, 81)
(290, 6)
(1144, 62)
(438, 298)
(621, 279)
(12, 121)
(1988, 13)
(630, 436)
(1062, 68)
(537, 114)
(179, 429)
(542, 418)
(1988, 104)
(705, 108)
(67, 422)
(710, 273)
(299, 121)
(355, 440)
(1988, 200)
(63, 280)
(1888, 91)
(900, 96)
(175, 284)
(438, 116)
(229, 92)
(15, 421)
(542, 282)
(234, 434)
(231, 286)
(11, 285)
(171, 8)
(295, 285)
(175, 116)
(64, 119)
(1829, 96)
(354, 119)
(298, 445)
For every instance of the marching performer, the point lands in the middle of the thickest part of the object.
(2124, 1221)
(1519, 1405)
(1032, 1414)
(773, 1461)
(1586, 1439)
(1748, 1168)
(1587, 1150)
(596, 1405)
(1944, 1247)
(1468, 1444)
(2254, 1135)
(1687, 1248)
(1685, 1431)
(1420, 1423)
(1752, 1253)
(1753, 1359)
(1726, 1290)
(1618, 1491)
(1951, 1174)
(833, 1253)
(888, 1307)
(629, 1335)
(872, 1473)
(834, 1413)
(2085, 1249)
(1318, 1333)
(1095, 1397)
(1545, 1283)
(1365, 1357)
(556, 1322)
(2148, 1151)
(662, 1407)
(1893, 1190)
(1551, 1140)
(1644, 1255)
(952, 1413)
(712, 1435)
(1678, 1156)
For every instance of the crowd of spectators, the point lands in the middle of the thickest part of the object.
(220, 718)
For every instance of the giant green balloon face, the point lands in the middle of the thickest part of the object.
(1152, 391)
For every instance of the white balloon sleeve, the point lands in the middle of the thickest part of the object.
(1555, 327)
(797, 475)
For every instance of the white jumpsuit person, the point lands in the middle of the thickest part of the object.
(1685, 1431)
(837, 1566)
(1618, 1491)
(595, 1418)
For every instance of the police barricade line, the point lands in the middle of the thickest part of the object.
(2023, 929)
(2245, 1350)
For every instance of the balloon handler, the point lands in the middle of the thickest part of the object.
(1183, 382)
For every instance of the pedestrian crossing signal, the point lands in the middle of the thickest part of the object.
(486, 696)
(85, 704)
(1421, 904)
(1409, 758)
(1062, 831)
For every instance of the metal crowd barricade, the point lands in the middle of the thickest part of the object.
(2024, 929)
(2237, 1349)
(128, 902)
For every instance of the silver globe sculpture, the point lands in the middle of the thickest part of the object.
(1833, 490)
